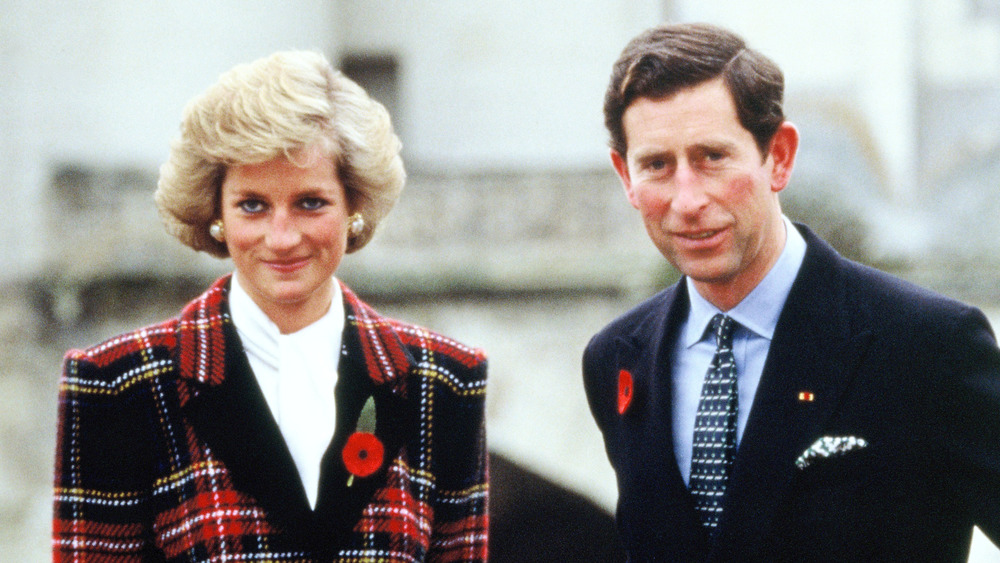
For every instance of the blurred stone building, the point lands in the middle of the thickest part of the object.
(512, 232)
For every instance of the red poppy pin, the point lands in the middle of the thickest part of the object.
(363, 454)
(626, 390)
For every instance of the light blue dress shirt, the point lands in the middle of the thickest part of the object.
(757, 316)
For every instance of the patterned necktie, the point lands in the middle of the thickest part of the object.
(715, 428)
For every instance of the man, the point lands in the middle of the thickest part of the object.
(779, 403)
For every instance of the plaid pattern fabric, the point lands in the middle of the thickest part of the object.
(134, 481)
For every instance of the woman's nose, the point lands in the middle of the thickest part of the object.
(282, 232)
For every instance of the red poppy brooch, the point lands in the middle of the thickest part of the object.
(363, 454)
(626, 390)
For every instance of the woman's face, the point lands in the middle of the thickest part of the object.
(286, 230)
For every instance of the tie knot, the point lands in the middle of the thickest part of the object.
(723, 327)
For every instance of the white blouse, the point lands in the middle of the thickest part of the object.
(297, 373)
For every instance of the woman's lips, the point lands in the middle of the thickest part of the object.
(287, 266)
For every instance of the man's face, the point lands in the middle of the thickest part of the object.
(708, 198)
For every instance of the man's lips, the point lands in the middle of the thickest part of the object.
(697, 236)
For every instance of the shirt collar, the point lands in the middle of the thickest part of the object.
(259, 333)
(759, 311)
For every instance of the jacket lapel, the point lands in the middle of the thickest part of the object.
(649, 357)
(228, 411)
(813, 353)
(386, 359)
(363, 373)
(662, 505)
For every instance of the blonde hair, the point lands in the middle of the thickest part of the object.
(273, 107)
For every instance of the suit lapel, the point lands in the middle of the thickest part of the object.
(664, 502)
(228, 411)
(339, 507)
(653, 356)
(233, 418)
(813, 352)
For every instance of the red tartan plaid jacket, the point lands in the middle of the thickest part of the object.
(167, 451)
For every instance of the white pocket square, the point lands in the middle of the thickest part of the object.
(829, 446)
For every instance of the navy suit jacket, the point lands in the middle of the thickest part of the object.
(914, 374)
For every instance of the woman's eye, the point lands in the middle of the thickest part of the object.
(312, 203)
(251, 206)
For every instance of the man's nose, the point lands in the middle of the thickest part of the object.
(689, 190)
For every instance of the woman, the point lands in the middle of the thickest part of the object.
(278, 418)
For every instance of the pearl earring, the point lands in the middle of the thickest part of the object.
(355, 224)
(217, 231)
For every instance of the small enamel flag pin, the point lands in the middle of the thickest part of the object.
(807, 396)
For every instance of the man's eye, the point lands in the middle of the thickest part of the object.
(312, 203)
(251, 206)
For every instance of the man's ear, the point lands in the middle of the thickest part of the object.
(621, 167)
(784, 146)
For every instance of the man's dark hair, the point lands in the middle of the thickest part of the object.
(666, 59)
